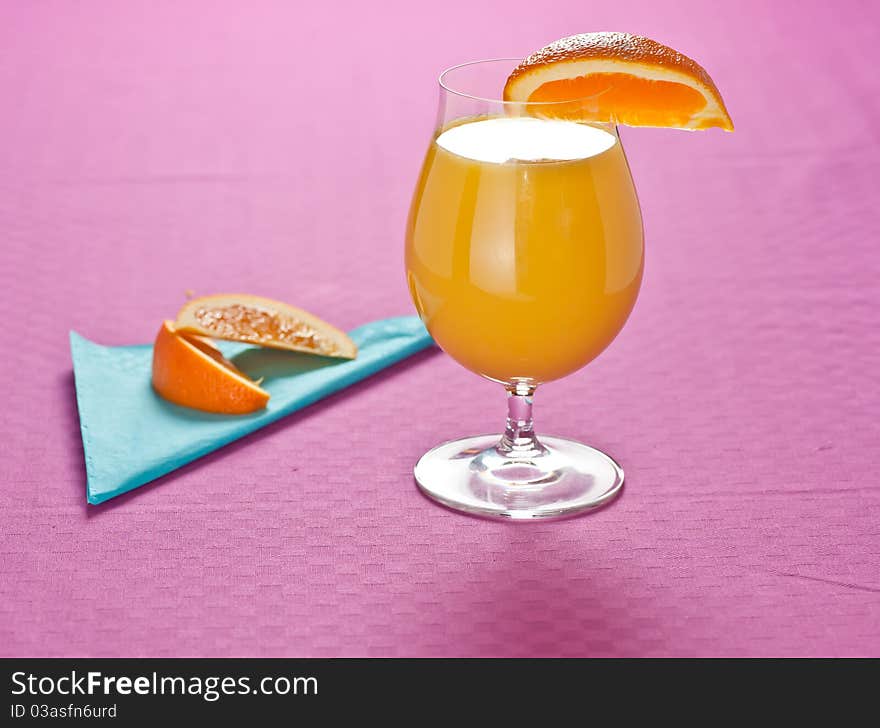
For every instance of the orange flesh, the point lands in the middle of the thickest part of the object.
(248, 324)
(625, 98)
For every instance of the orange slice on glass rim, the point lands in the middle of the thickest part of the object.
(191, 372)
(620, 78)
(263, 322)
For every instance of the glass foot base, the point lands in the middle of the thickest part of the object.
(564, 479)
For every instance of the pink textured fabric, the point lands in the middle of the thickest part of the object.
(148, 148)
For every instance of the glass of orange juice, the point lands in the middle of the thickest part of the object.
(524, 257)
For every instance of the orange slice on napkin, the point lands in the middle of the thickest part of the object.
(263, 322)
(620, 78)
(190, 371)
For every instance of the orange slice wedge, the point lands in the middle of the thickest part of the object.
(192, 372)
(264, 322)
(620, 78)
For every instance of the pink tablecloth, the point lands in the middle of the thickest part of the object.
(149, 148)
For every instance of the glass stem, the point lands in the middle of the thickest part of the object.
(519, 441)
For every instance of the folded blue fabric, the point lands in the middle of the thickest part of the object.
(131, 436)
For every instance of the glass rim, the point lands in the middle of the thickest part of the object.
(441, 79)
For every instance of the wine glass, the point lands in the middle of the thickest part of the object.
(524, 257)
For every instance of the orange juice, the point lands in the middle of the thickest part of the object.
(524, 246)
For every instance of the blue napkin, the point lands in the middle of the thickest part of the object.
(131, 436)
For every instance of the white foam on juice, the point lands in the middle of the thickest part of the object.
(525, 139)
